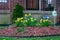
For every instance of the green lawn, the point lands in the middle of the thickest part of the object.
(1, 27)
(35, 38)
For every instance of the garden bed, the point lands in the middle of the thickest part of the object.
(29, 31)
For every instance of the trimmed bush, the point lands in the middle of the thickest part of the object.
(17, 12)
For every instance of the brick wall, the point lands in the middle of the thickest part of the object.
(4, 6)
(11, 3)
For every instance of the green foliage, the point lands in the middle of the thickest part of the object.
(19, 23)
(32, 38)
(21, 29)
(30, 20)
(17, 12)
(44, 22)
(49, 8)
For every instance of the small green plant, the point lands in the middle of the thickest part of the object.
(21, 29)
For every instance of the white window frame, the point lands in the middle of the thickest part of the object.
(4, 1)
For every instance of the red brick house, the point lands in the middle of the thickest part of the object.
(30, 5)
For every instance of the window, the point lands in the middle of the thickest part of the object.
(3, 1)
(58, 4)
(32, 4)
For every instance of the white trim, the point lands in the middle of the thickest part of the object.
(36, 11)
(39, 4)
(25, 4)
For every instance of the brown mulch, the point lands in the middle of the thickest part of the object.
(30, 31)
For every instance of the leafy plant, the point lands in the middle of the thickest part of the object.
(19, 22)
(17, 12)
(44, 22)
(30, 20)
(21, 29)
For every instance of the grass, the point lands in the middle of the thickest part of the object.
(1, 27)
(35, 38)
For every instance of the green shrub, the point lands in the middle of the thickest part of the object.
(17, 12)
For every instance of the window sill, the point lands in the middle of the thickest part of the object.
(4, 11)
(36, 11)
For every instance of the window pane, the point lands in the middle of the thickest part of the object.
(3, 0)
(58, 4)
(32, 4)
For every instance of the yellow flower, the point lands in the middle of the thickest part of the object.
(26, 15)
(41, 20)
(21, 18)
(18, 18)
(44, 20)
(29, 14)
(31, 18)
(47, 20)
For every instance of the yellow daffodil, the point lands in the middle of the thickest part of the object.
(29, 14)
(18, 18)
(26, 15)
(21, 18)
(41, 20)
(44, 20)
(47, 20)
(31, 18)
